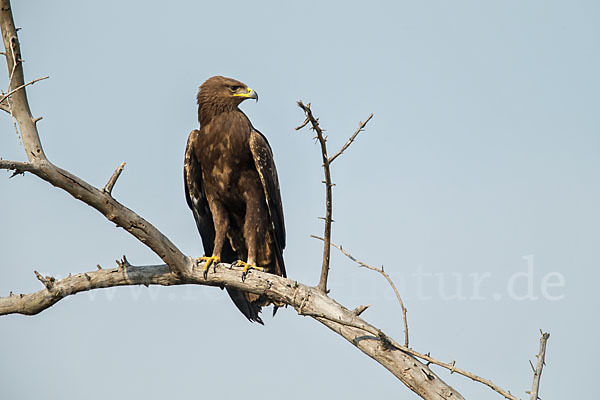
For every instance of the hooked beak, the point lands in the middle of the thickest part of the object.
(248, 94)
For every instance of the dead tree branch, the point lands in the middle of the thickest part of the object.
(305, 300)
(328, 201)
(361, 127)
(537, 371)
(387, 277)
(310, 118)
(20, 106)
(113, 179)
(114, 211)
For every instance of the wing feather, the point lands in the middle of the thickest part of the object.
(265, 165)
(196, 197)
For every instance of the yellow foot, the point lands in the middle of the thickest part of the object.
(247, 268)
(208, 262)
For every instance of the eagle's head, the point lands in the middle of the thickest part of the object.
(224, 92)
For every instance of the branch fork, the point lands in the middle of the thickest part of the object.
(310, 118)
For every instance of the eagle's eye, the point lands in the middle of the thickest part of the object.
(234, 88)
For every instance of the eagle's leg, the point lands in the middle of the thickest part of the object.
(221, 223)
(254, 222)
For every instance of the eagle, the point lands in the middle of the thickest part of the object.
(232, 188)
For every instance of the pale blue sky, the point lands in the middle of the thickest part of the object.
(480, 165)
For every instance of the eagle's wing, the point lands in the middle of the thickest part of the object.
(265, 165)
(195, 196)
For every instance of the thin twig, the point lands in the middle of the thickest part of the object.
(382, 272)
(361, 126)
(322, 286)
(306, 121)
(113, 179)
(541, 361)
(7, 95)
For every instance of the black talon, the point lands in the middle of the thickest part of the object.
(205, 274)
(244, 273)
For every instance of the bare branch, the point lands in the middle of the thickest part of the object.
(382, 272)
(306, 300)
(19, 105)
(114, 211)
(328, 200)
(18, 167)
(541, 361)
(113, 179)
(361, 127)
(306, 121)
(7, 95)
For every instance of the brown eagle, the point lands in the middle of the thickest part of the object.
(232, 188)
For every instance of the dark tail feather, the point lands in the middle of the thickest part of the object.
(250, 310)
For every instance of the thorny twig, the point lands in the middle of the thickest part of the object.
(322, 286)
(7, 95)
(328, 184)
(361, 127)
(541, 361)
(382, 272)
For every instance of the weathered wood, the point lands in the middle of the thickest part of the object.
(537, 372)
(308, 301)
(19, 106)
